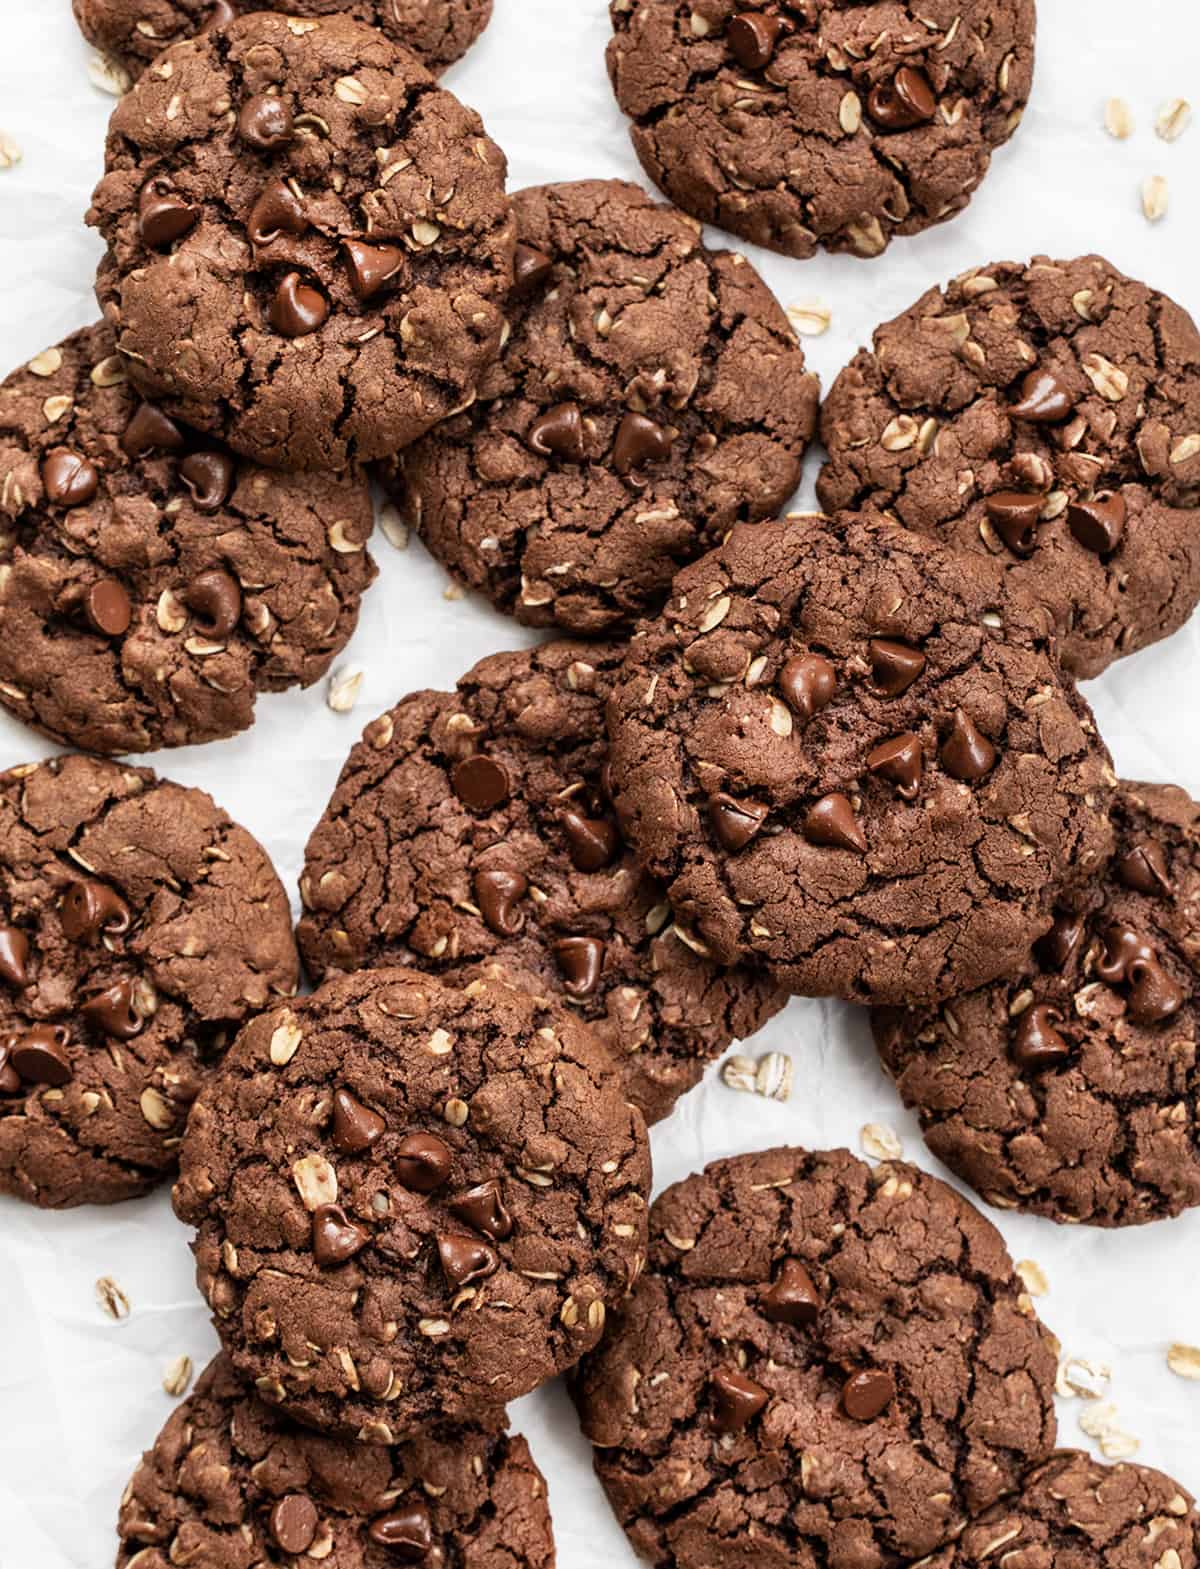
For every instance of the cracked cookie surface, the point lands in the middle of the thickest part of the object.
(135, 32)
(1047, 415)
(824, 1366)
(231, 1483)
(309, 241)
(1072, 1090)
(414, 1202)
(474, 825)
(851, 756)
(821, 123)
(151, 585)
(650, 394)
(139, 927)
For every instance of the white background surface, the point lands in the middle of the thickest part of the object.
(80, 1396)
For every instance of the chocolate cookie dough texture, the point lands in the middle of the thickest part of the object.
(1047, 416)
(823, 1363)
(139, 928)
(414, 1202)
(851, 756)
(151, 585)
(135, 32)
(309, 241)
(821, 123)
(650, 394)
(474, 826)
(230, 1482)
(1072, 1089)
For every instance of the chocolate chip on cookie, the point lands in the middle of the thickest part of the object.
(1047, 416)
(414, 1202)
(832, 1363)
(806, 123)
(852, 757)
(139, 928)
(309, 241)
(650, 394)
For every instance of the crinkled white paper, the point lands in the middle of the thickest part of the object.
(81, 1395)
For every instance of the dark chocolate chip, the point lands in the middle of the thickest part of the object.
(1123, 948)
(737, 1400)
(904, 102)
(10, 1080)
(107, 608)
(14, 957)
(294, 1523)
(900, 762)
(793, 1299)
(90, 907)
(832, 822)
(297, 309)
(1015, 517)
(531, 268)
(215, 599)
(808, 683)
(371, 267)
(1044, 400)
(639, 441)
(221, 14)
(1144, 868)
(480, 782)
(39, 1056)
(592, 842)
(967, 754)
(465, 1260)
(752, 37)
(209, 477)
(1156, 996)
(1061, 943)
(483, 1208)
(112, 1012)
(150, 430)
(559, 433)
(868, 1394)
(164, 216)
(69, 480)
(581, 960)
(278, 210)
(265, 123)
(1098, 523)
(735, 823)
(497, 893)
(355, 1126)
(1037, 1043)
(423, 1163)
(894, 665)
(335, 1237)
(406, 1532)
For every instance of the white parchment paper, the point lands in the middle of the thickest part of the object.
(80, 1395)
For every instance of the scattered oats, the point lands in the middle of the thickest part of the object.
(741, 1074)
(1118, 1446)
(1078, 1377)
(10, 153)
(453, 591)
(106, 74)
(393, 527)
(1173, 119)
(316, 1181)
(47, 362)
(880, 1142)
(1033, 1277)
(177, 1376)
(810, 318)
(773, 1080)
(1183, 1360)
(1155, 197)
(344, 686)
(111, 1298)
(285, 1041)
(1118, 119)
(1096, 1420)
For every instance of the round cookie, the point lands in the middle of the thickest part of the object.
(309, 241)
(650, 394)
(1073, 1090)
(139, 928)
(851, 756)
(474, 825)
(826, 123)
(1048, 416)
(134, 32)
(150, 585)
(230, 1482)
(1074, 1513)
(414, 1202)
(823, 1364)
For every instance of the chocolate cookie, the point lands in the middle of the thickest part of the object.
(230, 1482)
(139, 928)
(651, 394)
(151, 586)
(1074, 1513)
(1048, 416)
(474, 825)
(823, 1364)
(1073, 1090)
(851, 755)
(309, 241)
(806, 123)
(134, 32)
(415, 1202)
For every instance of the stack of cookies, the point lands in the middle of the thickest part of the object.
(839, 754)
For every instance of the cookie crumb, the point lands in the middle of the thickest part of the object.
(111, 1298)
(344, 686)
(177, 1375)
(1155, 197)
(1184, 1360)
(1173, 119)
(453, 591)
(1118, 119)
(880, 1142)
(1033, 1277)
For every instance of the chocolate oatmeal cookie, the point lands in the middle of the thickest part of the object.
(474, 825)
(852, 757)
(230, 1483)
(415, 1202)
(309, 241)
(139, 928)
(806, 123)
(650, 394)
(823, 1364)
(1073, 1090)
(150, 584)
(1047, 416)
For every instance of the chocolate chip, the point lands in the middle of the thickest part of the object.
(355, 1126)
(69, 480)
(1123, 948)
(1156, 996)
(808, 683)
(1099, 523)
(107, 608)
(39, 1056)
(1143, 868)
(1037, 1043)
(112, 1012)
(639, 441)
(899, 761)
(894, 665)
(209, 477)
(737, 1400)
(150, 430)
(221, 15)
(967, 754)
(793, 1299)
(483, 1208)
(10, 1082)
(1061, 943)
(1015, 517)
(531, 268)
(277, 210)
(265, 123)
(832, 822)
(868, 1394)
(90, 907)
(735, 822)
(294, 1523)
(480, 782)
(215, 599)
(465, 1259)
(371, 266)
(407, 1532)
(14, 957)
(497, 893)
(907, 100)
(559, 433)
(592, 842)
(752, 37)
(581, 960)
(423, 1163)
(1044, 400)
(164, 216)
(297, 309)
(335, 1237)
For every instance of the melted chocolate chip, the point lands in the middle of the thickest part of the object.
(407, 1532)
(967, 754)
(371, 267)
(278, 210)
(1123, 949)
(107, 608)
(808, 683)
(497, 893)
(1099, 523)
(1044, 400)
(39, 1056)
(531, 268)
(894, 666)
(1144, 868)
(215, 599)
(1156, 996)
(209, 477)
(592, 842)
(294, 1523)
(297, 309)
(868, 1394)
(793, 1299)
(832, 822)
(465, 1260)
(581, 960)
(14, 957)
(559, 433)
(335, 1237)
(900, 762)
(480, 782)
(355, 1126)
(69, 480)
(265, 123)
(1037, 1043)
(904, 102)
(734, 822)
(112, 1011)
(483, 1208)
(150, 430)
(639, 441)
(90, 907)
(423, 1163)
(1015, 517)
(164, 216)
(752, 37)
(737, 1400)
